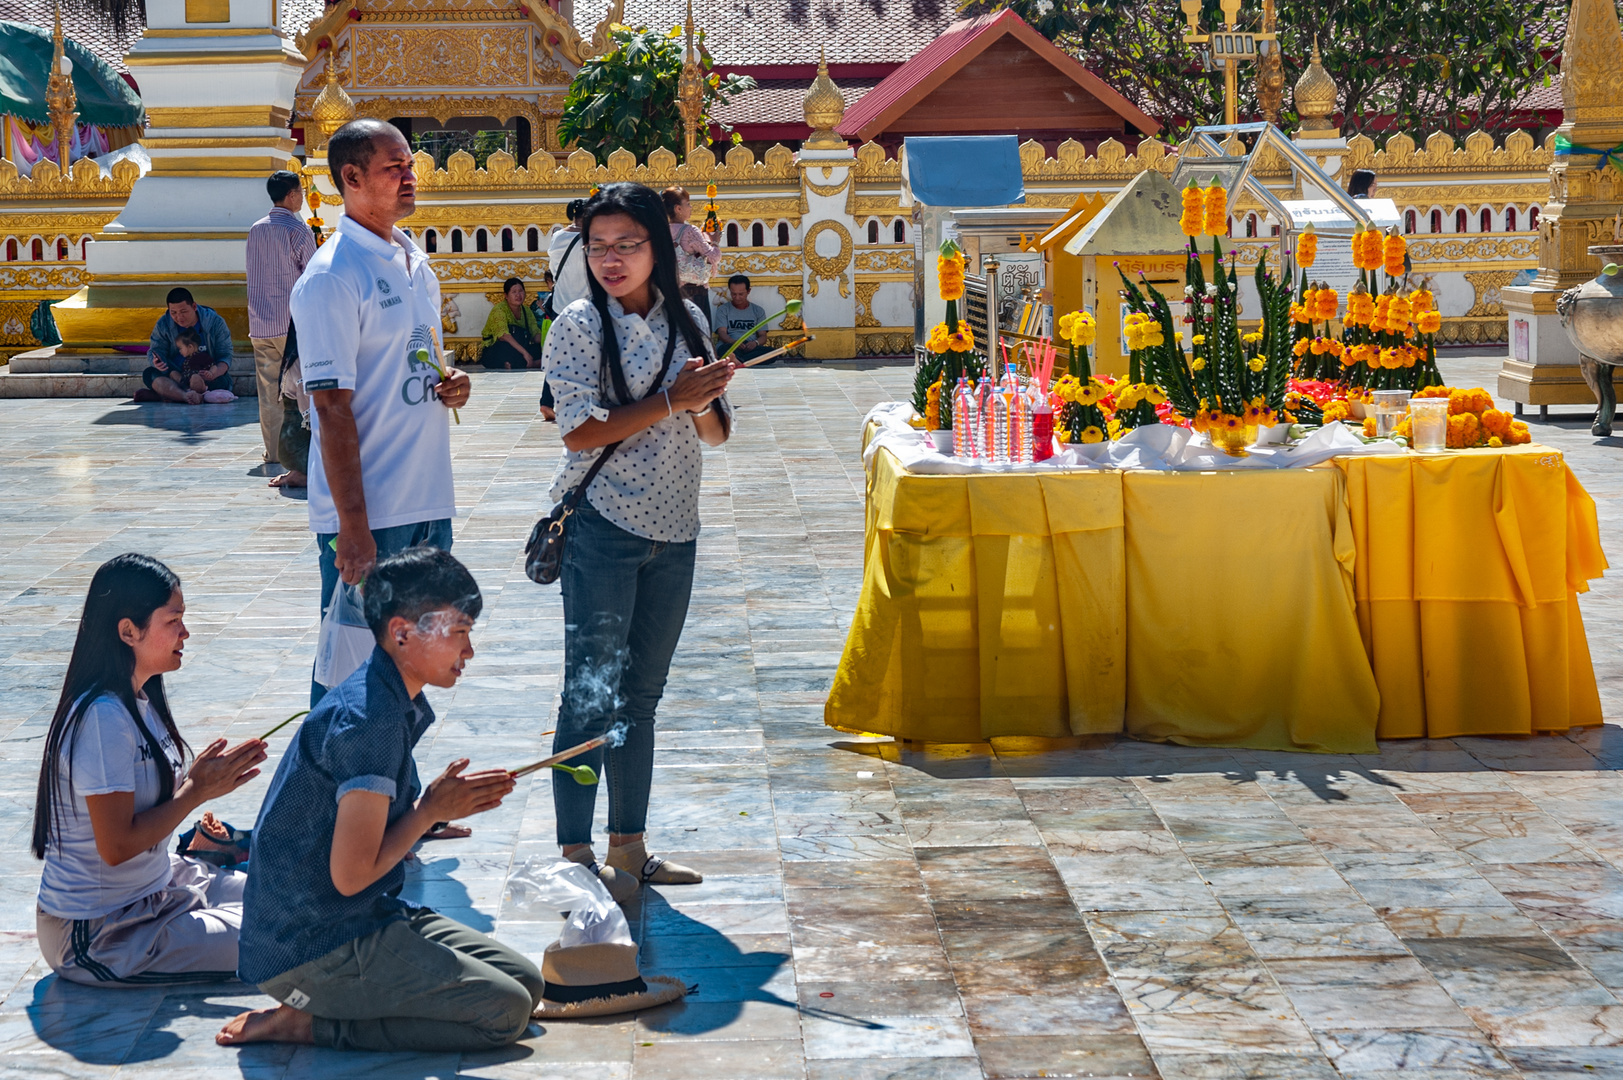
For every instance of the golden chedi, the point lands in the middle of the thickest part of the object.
(332, 108)
(824, 107)
(1315, 100)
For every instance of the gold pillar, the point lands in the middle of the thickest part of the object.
(60, 98)
(1583, 203)
(1270, 69)
(690, 91)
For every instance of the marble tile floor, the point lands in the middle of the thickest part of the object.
(1442, 910)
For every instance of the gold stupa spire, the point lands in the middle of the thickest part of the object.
(1315, 100)
(60, 99)
(823, 109)
(333, 108)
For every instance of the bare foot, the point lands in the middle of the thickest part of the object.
(193, 398)
(446, 831)
(548, 415)
(281, 1024)
(290, 480)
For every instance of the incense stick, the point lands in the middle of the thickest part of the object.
(775, 353)
(573, 751)
(283, 724)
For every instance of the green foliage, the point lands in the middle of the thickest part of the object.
(626, 99)
(1431, 65)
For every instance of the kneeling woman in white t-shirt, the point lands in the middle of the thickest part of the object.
(115, 907)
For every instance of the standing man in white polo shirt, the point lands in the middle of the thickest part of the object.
(380, 438)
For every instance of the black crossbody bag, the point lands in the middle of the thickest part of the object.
(544, 551)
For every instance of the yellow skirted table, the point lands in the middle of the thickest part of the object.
(1226, 608)
(1469, 566)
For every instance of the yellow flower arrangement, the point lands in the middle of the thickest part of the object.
(1192, 221)
(1302, 346)
(1301, 313)
(1429, 322)
(1421, 300)
(1142, 332)
(932, 410)
(710, 191)
(1336, 410)
(1113, 429)
(1257, 363)
(1307, 247)
(1366, 249)
(1393, 249)
(1079, 328)
(1360, 307)
(1091, 434)
(1217, 209)
(1369, 427)
(1198, 364)
(1252, 338)
(1326, 302)
(950, 275)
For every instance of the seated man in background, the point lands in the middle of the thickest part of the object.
(324, 929)
(165, 376)
(737, 317)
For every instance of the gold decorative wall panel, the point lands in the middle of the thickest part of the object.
(1486, 284)
(827, 267)
(472, 56)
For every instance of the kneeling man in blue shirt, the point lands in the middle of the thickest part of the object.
(324, 930)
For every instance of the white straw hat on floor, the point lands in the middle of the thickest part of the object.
(599, 980)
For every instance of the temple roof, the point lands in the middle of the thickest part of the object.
(103, 99)
(962, 42)
(759, 33)
(781, 101)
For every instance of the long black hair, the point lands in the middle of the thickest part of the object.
(125, 587)
(644, 206)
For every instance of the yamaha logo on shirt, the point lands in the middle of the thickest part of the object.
(391, 301)
(383, 287)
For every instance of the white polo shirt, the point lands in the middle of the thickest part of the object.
(363, 308)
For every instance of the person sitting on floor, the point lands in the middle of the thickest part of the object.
(165, 377)
(512, 335)
(324, 929)
(200, 372)
(737, 317)
(115, 907)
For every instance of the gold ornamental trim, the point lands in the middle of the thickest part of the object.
(69, 223)
(1441, 155)
(140, 278)
(479, 269)
(200, 56)
(1472, 196)
(219, 116)
(885, 260)
(823, 267)
(865, 294)
(1471, 250)
(1486, 285)
(213, 32)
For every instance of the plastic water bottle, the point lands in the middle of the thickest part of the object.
(1001, 425)
(963, 420)
(1019, 417)
(985, 429)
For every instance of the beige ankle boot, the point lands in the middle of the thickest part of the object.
(633, 859)
(622, 886)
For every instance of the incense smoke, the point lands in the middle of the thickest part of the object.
(616, 736)
(593, 688)
(441, 622)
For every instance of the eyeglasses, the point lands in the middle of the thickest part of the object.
(625, 249)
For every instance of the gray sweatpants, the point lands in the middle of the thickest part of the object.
(422, 983)
(185, 932)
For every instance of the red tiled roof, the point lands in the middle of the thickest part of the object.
(962, 42)
(91, 31)
(754, 33)
(781, 101)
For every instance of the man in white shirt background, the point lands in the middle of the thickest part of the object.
(380, 450)
(279, 248)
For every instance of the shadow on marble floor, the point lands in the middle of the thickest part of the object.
(189, 420)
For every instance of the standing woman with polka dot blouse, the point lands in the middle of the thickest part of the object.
(631, 366)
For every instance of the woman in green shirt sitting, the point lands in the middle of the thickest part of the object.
(512, 336)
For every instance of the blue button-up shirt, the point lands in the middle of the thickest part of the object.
(360, 738)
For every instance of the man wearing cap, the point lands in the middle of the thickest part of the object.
(279, 248)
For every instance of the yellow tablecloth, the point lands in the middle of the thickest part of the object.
(1224, 608)
(1469, 566)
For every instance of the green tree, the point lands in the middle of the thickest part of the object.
(626, 99)
(1416, 67)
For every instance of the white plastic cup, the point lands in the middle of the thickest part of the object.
(1430, 422)
(1391, 406)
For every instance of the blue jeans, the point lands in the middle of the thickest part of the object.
(625, 600)
(390, 541)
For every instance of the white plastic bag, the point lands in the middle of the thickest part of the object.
(548, 884)
(345, 641)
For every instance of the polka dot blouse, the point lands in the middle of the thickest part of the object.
(650, 487)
